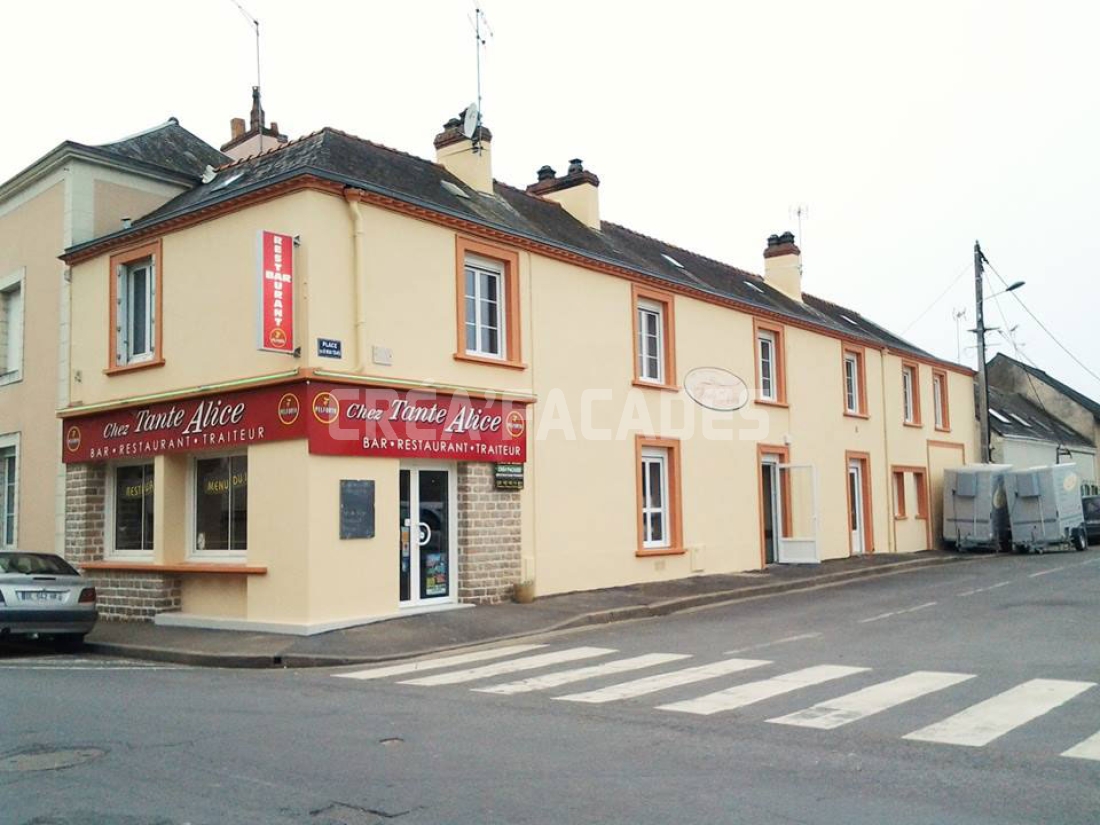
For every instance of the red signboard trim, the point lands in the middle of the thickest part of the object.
(276, 286)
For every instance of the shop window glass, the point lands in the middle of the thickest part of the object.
(221, 504)
(134, 509)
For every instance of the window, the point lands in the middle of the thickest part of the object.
(770, 365)
(651, 345)
(654, 334)
(658, 462)
(899, 494)
(135, 310)
(221, 506)
(855, 384)
(484, 308)
(922, 493)
(11, 328)
(9, 492)
(133, 510)
(939, 400)
(910, 393)
(487, 291)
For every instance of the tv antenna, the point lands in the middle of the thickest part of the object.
(256, 26)
(958, 315)
(798, 212)
(479, 22)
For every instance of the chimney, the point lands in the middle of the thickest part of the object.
(783, 265)
(458, 154)
(576, 191)
(257, 137)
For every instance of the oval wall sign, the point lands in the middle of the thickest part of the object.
(716, 389)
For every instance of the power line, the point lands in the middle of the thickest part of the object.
(1043, 326)
(939, 298)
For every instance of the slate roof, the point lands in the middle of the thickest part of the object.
(1039, 424)
(168, 146)
(1055, 384)
(342, 158)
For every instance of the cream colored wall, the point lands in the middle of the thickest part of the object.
(114, 201)
(31, 240)
(225, 597)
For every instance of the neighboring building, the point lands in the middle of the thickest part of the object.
(71, 195)
(1063, 403)
(376, 384)
(1025, 435)
(257, 138)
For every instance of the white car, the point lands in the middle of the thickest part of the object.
(42, 594)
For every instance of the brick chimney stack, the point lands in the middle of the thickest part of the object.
(258, 137)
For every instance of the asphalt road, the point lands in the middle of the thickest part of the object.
(947, 695)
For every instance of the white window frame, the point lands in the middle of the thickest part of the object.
(908, 377)
(484, 266)
(110, 511)
(193, 553)
(124, 306)
(655, 309)
(851, 383)
(9, 442)
(937, 400)
(769, 374)
(659, 456)
(11, 369)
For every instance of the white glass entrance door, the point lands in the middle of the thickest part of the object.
(427, 545)
(855, 505)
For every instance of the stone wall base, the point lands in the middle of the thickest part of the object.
(489, 536)
(134, 597)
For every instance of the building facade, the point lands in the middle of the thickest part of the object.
(374, 384)
(71, 195)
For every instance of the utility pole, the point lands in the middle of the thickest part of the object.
(983, 380)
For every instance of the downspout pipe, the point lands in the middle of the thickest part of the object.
(359, 272)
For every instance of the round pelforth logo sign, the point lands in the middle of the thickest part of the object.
(516, 424)
(326, 408)
(289, 408)
(72, 439)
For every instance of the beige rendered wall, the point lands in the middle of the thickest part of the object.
(32, 238)
(115, 201)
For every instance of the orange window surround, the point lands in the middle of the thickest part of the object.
(674, 505)
(153, 251)
(508, 260)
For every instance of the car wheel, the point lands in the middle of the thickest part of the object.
(1080, 541)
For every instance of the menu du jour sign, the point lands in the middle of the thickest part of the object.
(337, 420)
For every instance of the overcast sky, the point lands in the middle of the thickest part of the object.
(909, 129)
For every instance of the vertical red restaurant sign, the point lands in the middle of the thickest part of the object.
(276, 322)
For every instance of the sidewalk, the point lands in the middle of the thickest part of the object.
(433, 632)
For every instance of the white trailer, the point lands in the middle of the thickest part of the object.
(1044, 508)
(975, 515)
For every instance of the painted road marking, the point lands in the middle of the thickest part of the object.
(1046, 572)
(747, 694)
(663, 681)
(514, 666)
(982, 723)
(565, 677)
(871, 700)
(785, 640)
(984, 589)
(898, 612)
(1089, 749)
(436, 664)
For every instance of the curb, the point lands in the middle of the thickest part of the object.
(667, 607)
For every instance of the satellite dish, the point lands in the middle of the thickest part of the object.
(471, 121)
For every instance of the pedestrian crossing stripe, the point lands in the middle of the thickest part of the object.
(439, 664)
(752, 692)
(565, 677)
(1089, 749)
(663, 681)
(514, 666)
(871, 700)
(980, 724)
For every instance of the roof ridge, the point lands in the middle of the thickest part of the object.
(278, 147)
(172, 121)
(676, 248)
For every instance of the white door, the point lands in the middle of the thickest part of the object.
(855, 504)
(773, 503)
(428, 546)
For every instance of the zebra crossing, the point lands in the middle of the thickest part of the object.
(491, 671)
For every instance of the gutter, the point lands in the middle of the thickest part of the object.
(359, 276)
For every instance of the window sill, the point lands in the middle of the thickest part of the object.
(943, 429)
(492, 362)
(850, 414)
(187, 567)
(140, 365)
(659, 551)
(901, 518)
(764, 402)
(13, 377)
(916, 425)
(921, 518)
(653, 385)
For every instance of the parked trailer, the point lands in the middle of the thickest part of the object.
(1044, 508)
(975, 515)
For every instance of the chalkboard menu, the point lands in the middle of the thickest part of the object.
(356, 509)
